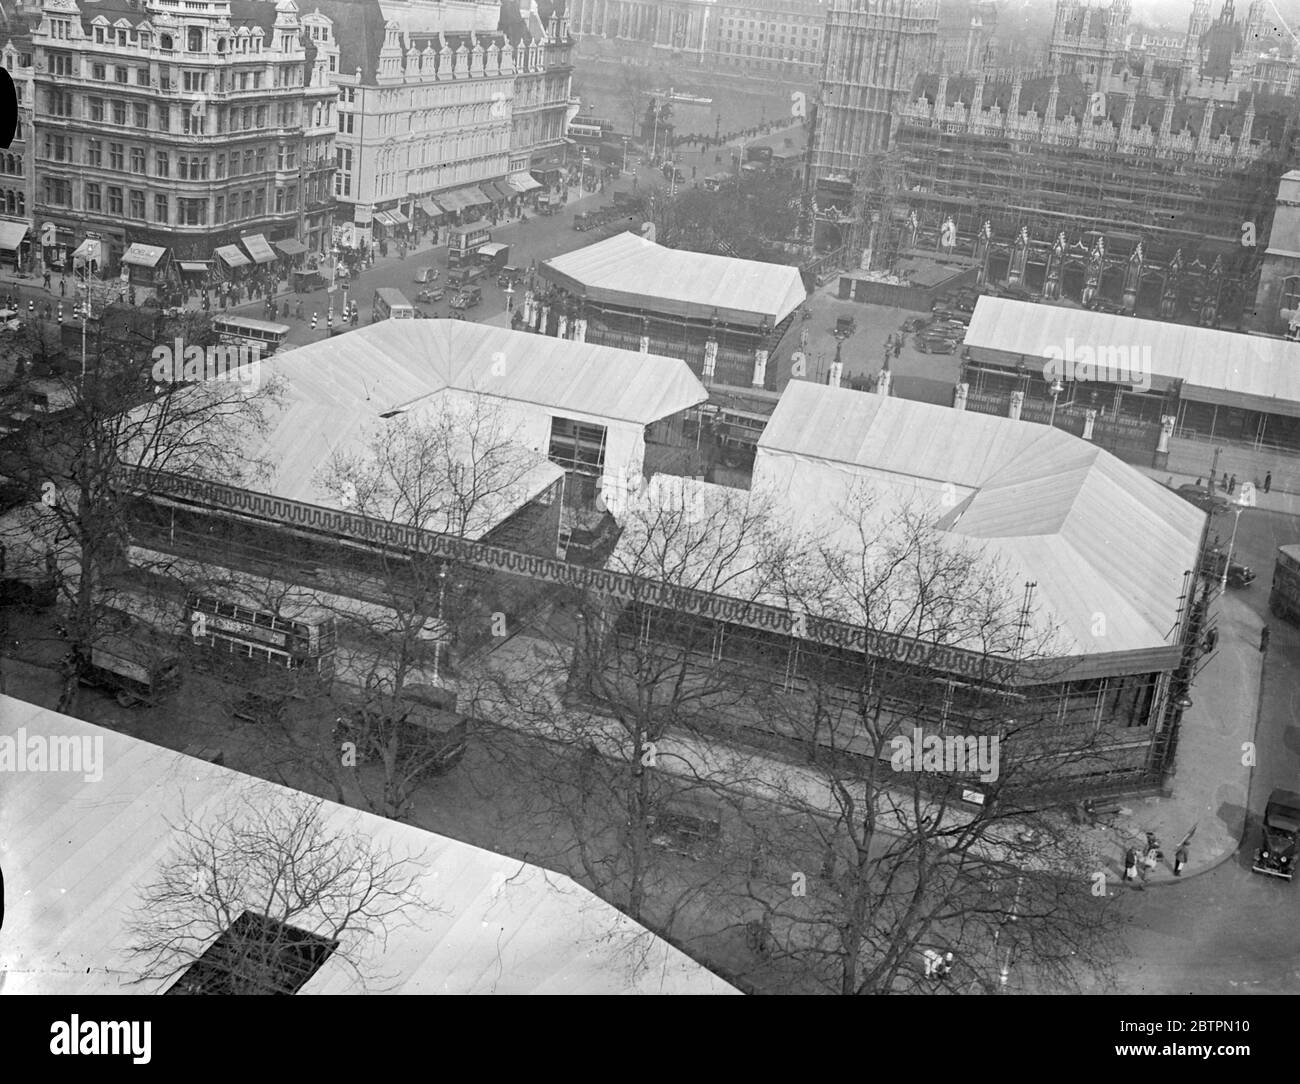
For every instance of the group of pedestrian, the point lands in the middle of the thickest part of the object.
(1137, 868)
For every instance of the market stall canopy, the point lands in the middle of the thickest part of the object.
(291, 247)
(139, 255)
(389, 218)
(498, 192)
(523, 182)
(430, 208)
(232, 257)
(12, 234)
(194, 266)
(463, 198)
(258, 248)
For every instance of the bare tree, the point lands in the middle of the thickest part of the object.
(95, 457)
(458, 471)
(622, 702)
(254, 897)
(927, 834)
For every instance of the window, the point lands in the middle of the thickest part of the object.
(221, 166)
(120, 74)
(259, 202)
(192, 212)
(345, 123)
(256, 955)
(164, 118)
(57, 148)
(194, 40)
(98, 71)
(60, 102)
(1291, 292)
(195, 123)
(137, 160)
(96, 111)
(116, 158)
(95, 152)
(119, 112)
(142, 77)
(165, 42)
(162, 165)
(261, 159)
(248, 161)
(160, 208)
(246, 202)
(137, 204)
(60, 63)
(58, 191)
(141, 115)
(165, 78)
(114, 200)
(195, 81)
(576, 446)
(219, 210)
(261, 116)
(94, 197)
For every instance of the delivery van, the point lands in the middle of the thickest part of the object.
(392, 304)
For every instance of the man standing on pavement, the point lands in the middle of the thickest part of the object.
(47, 278)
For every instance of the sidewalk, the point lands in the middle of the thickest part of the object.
(1273, 501)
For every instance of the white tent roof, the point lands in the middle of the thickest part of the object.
(76, 854)
(1223, 367)
(1097, 536)
(629, 270)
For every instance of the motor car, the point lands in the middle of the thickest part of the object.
(307, 281)
(953, 328)
(435, 294)
(510, 276)
(1280, 832)
(845, 325)
(1104, 304)
(1016, 293)
(426, 275)
(1212, 565)
(1204, 498)
(935, 343)
(467, 298)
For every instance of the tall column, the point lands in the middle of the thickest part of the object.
(760, 368)
(1089, 420)
(1017, 404)
(544, 323)
(710, 360)
(836, 375)
(883, 382)
(959, 396)
(580, 330)
(562, 331)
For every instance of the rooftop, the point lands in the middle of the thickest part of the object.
(1223, 367)
(81, 851)
(630, 270)
(1095, 535)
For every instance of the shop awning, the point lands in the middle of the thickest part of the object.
(523, 182)
(430, 208)
(12, 234)
(257, 247)
(398, 218)
(232, 257)
(476, 197)
(89, 249)
(138, 255)
(452, 201)
(497, 192)
(385, 218)
(463, 198)
(291, 247)
(193, 266)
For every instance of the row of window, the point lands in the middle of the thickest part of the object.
(114, 200)
(188, 167)
(61, 103)
(13, 202)
(195, 40)
(11, 164)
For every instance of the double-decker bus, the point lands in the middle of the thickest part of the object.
(265, 336)
(237, 632)
(589, 129)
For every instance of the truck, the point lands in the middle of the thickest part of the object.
(1280, 832)
(1284, 598)
(463, 243)
(135, 668)
(424, 724)
(494, 255)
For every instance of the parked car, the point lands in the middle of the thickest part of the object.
(426, 275)
(1212, 565)
(510, 276)
(1280, 831)
(1105, 304)
(917, 323)
(1204, 498)
(304, 282)
(431, 295)
(467, 298)
(934, 342)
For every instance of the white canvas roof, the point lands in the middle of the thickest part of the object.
(629, 270)
(1095, 535)
(1223, 367)
(76, 855)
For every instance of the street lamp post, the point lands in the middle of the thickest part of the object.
(1056, 389)
(1223, 582)
(510, 299)
(625, 154)
(437, 644)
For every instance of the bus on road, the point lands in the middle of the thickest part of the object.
(245, 331)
